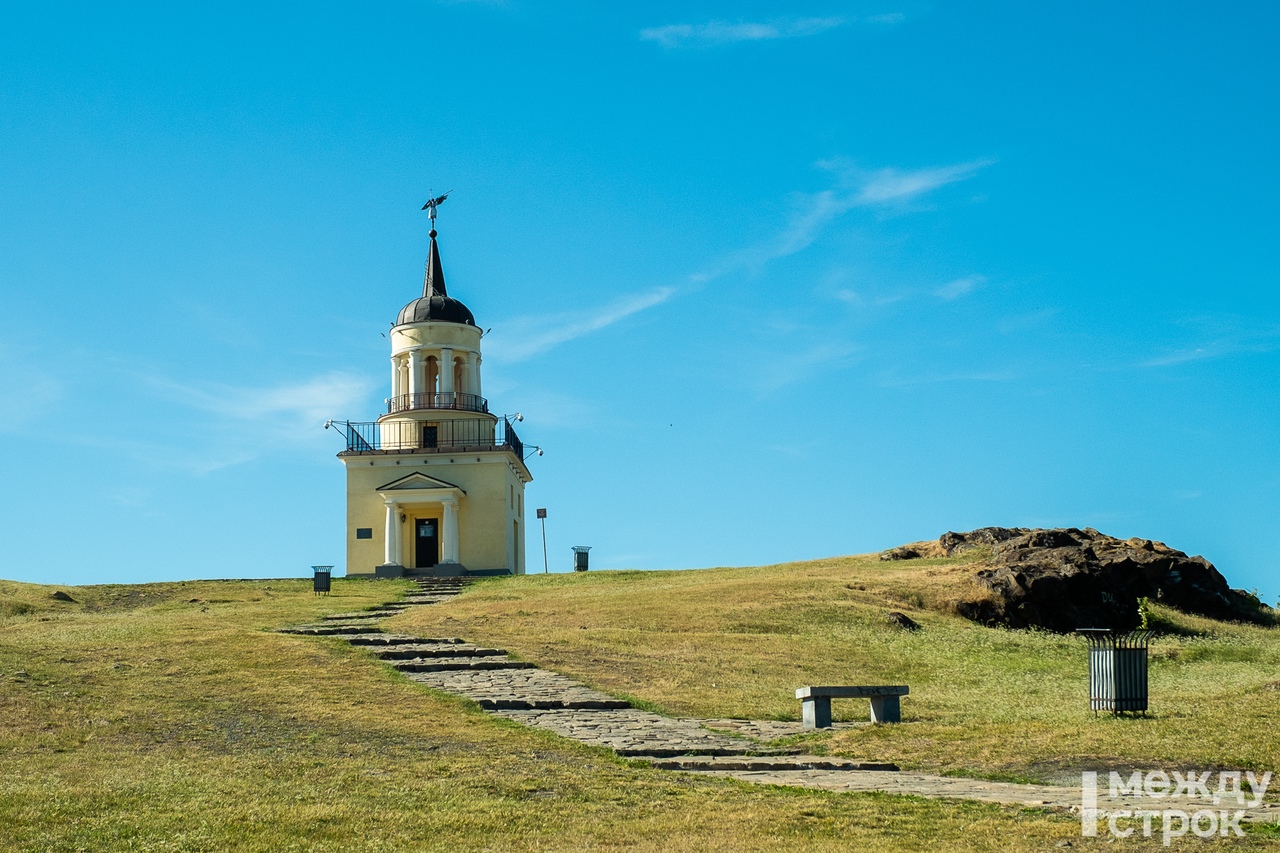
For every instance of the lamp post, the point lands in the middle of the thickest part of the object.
(542, 516)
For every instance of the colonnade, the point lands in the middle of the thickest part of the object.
(419, 372)
(395, 546)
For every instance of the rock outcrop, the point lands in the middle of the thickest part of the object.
(1067, 578)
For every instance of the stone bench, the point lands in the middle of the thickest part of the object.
(815, 703)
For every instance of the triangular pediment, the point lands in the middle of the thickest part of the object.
(416, 481)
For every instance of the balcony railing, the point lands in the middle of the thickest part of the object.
(440, 400)
(457, 435)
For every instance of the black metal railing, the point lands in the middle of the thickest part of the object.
(468, 434)
(437, 400)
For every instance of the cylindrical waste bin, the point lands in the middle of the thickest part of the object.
(320, 584)
(580, 557)
(1117, 670)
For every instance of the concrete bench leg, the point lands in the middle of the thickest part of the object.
(816, 712)
(884, 709)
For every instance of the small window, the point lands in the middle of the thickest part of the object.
(364, 532)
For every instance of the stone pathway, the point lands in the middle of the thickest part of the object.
(520, 691)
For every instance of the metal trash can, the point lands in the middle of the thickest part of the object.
(320, 584)
(580, 557)
(1117, 670)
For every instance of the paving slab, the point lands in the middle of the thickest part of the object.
(417, 651)
(758, 763)
(632, 732)
(1060, 797)
(456, 664)
(520, 689)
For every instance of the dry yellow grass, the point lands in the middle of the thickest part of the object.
(171, 717)
(1006, 704)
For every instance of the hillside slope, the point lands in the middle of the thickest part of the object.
(737, 642)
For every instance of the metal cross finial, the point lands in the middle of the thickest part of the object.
(432, 205)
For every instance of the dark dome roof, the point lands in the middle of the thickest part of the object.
(435, 304)
(436, 308)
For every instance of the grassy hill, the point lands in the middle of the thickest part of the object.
(1005, 704)
(170, 716)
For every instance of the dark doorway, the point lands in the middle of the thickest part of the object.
(427, 547)
(428, 435)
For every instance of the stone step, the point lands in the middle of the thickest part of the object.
(402, 640)
(459, 663)
(752, 763)
(553, 704)
(523, 689)
(406, 652)
(331, 630)
(634, 733)
(349, 617)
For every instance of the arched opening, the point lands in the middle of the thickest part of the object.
(433, 374)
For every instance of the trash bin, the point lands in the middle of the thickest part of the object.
(1117, 670)
(320, 584)
(580, 557)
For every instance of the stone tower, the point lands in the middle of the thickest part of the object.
(435, 486)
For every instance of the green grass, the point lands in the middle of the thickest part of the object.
(171, 717)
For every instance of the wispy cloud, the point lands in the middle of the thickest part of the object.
(960, 287)
(855, 188)
(801, 365)
(893, 381)
(860, 300)
(526, 337)
(27, 390)
(239, 423)
(306, 403)
(1219, 337)
(725, 32)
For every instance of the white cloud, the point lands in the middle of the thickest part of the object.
(526, 337)
(28, 392)
(892, 185)
(858, 300)
(890, 381)
(724, 32)
(311, 401)
(800, 365)
(855, 188)
(960, 287)
(1226, 336)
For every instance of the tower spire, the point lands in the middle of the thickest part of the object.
(433, 276)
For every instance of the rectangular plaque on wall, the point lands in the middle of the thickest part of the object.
(364, 532)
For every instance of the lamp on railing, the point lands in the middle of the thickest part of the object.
(516, 417)
(532, 447)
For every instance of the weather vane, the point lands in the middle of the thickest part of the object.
(432, 205)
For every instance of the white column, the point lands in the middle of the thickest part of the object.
(395, 377)
(475, 375)
(450, 544)
(392, 548)
(446, 370)
(465, 374)
(415, 371)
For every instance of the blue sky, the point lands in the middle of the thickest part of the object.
(768, 281)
